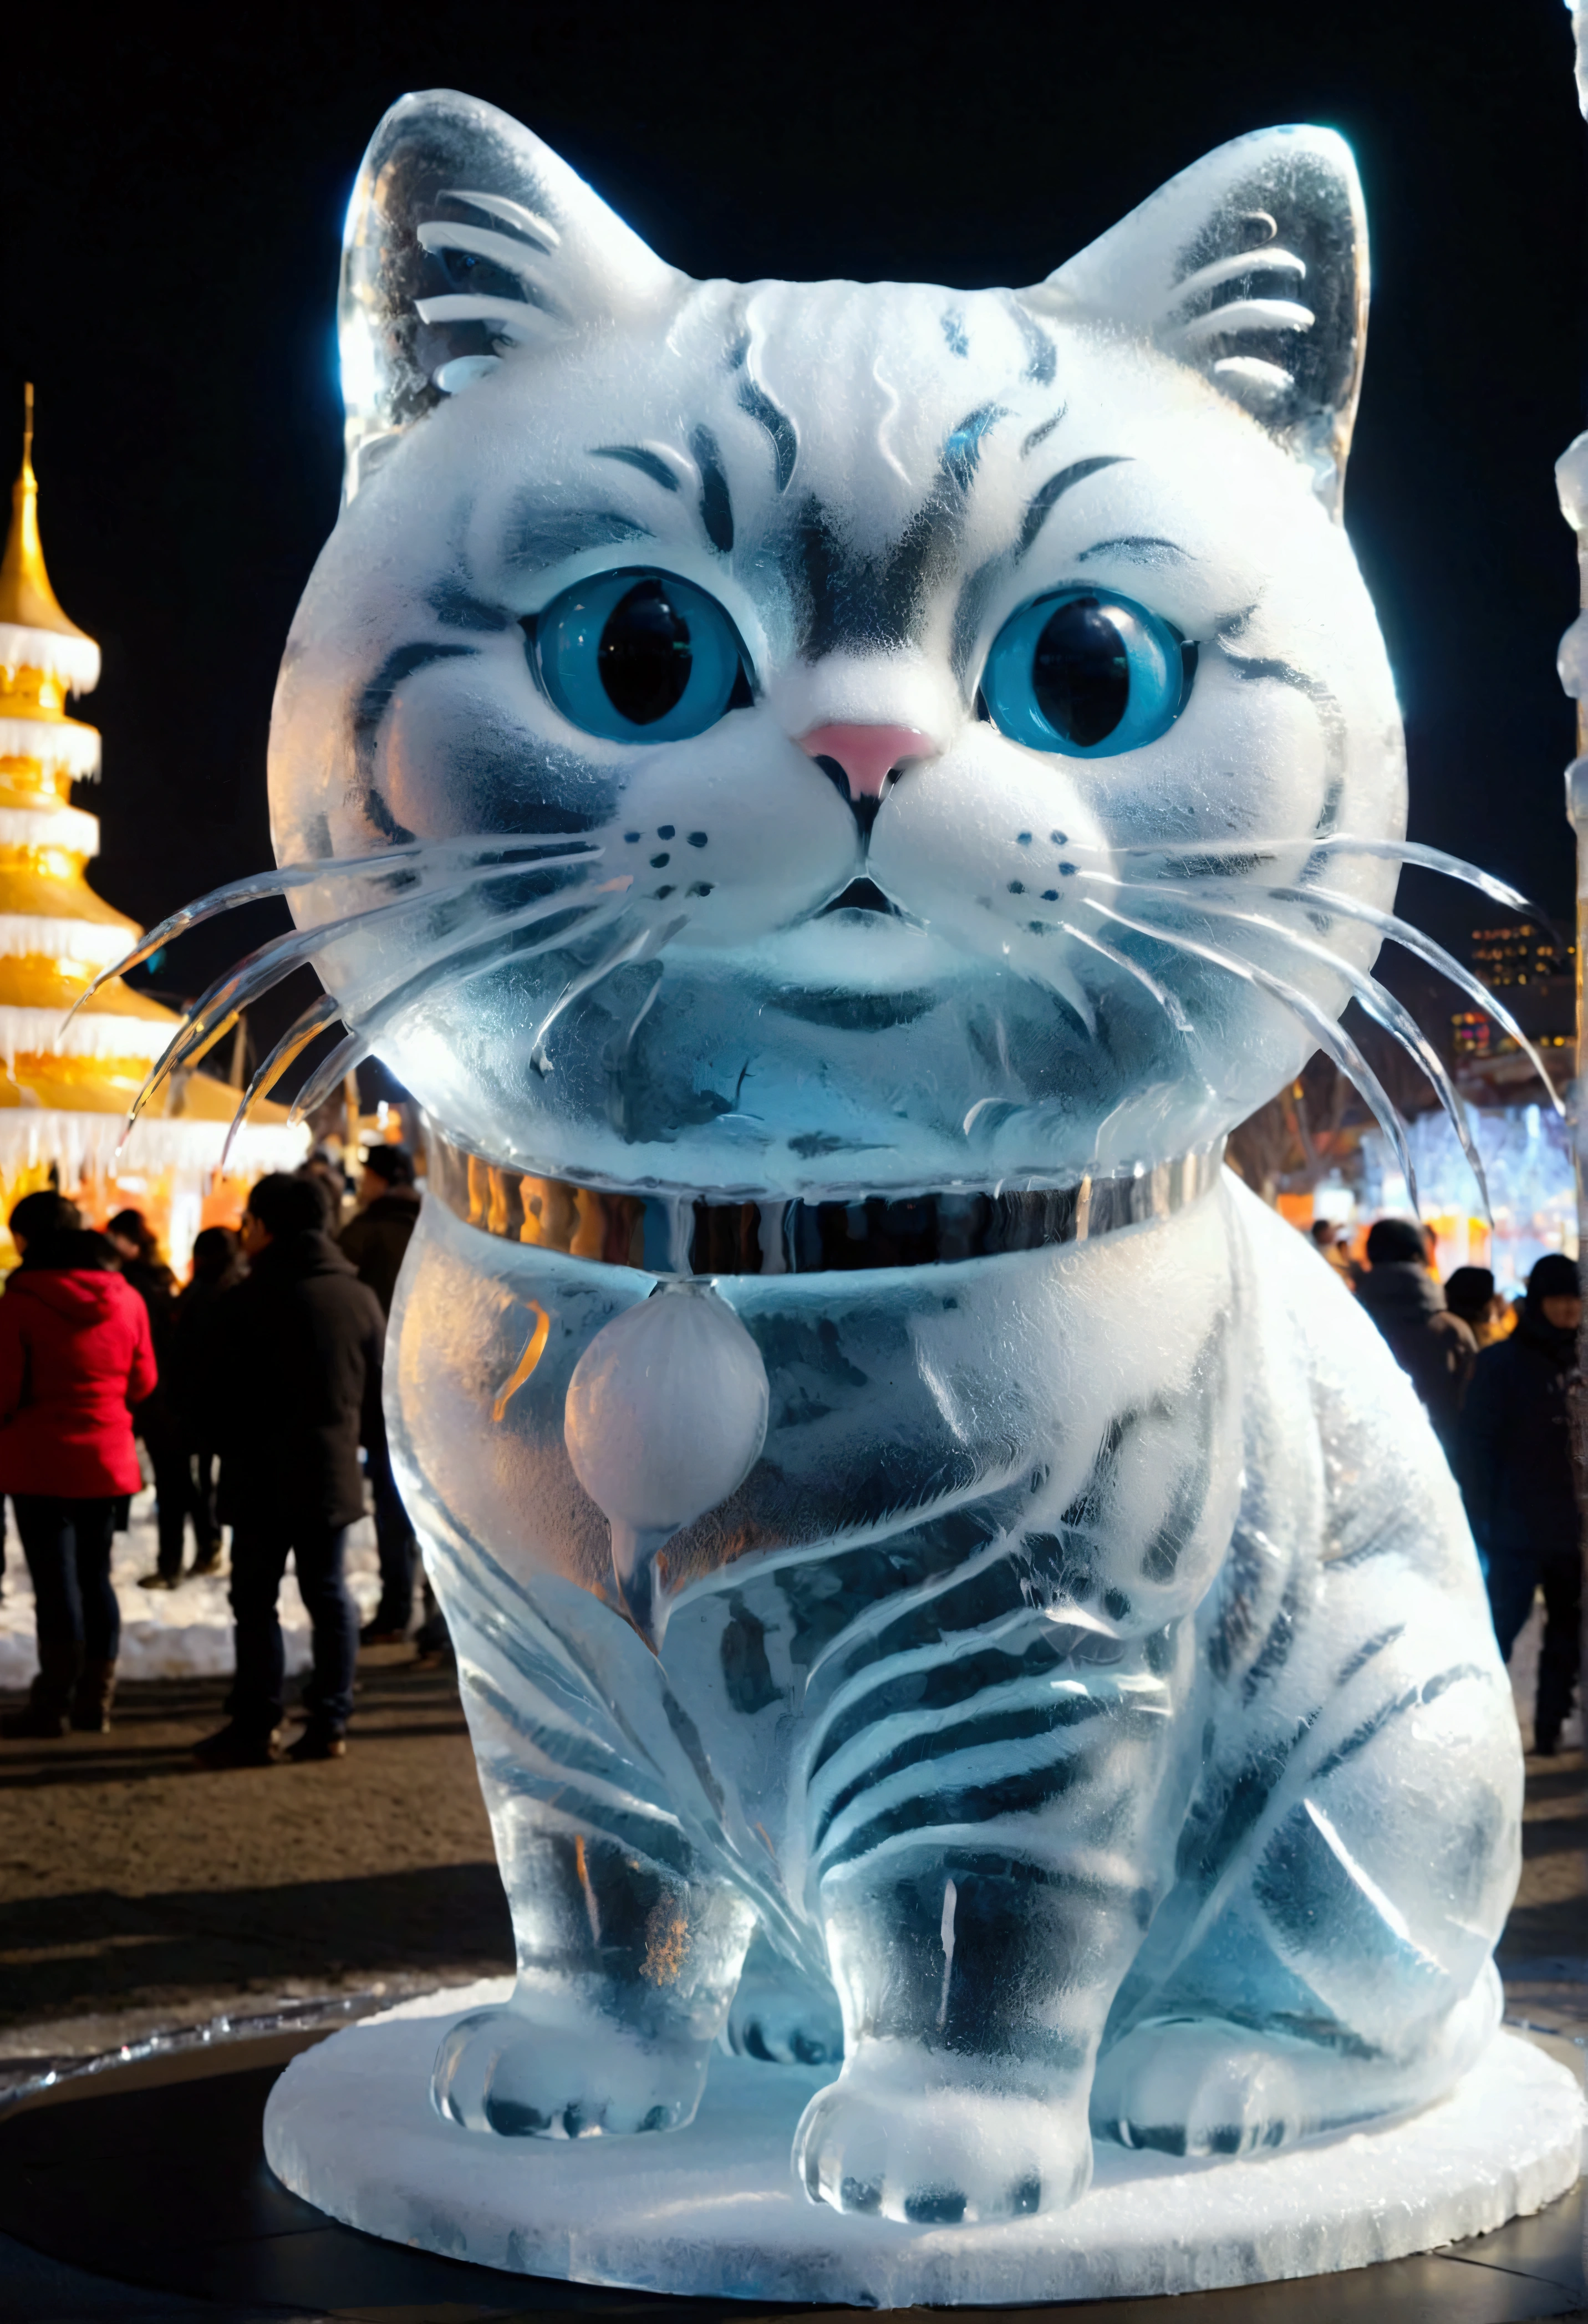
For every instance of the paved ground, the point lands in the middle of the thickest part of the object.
(137, 1891)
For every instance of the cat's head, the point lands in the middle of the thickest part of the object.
(839, 736)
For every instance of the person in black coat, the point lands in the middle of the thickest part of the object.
(1436, 1348)
(1517, 1474)
(375, 1239)
(141, 1262)
(217, 1269)
(295, 1387)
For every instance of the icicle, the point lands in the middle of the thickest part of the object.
(316, 1018)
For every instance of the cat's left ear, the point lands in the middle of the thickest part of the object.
(467, 239)
(1251, 267)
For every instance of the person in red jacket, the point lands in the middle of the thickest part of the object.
(74, 1356)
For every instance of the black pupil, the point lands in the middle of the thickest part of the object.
(1081, 673)
(644, 656)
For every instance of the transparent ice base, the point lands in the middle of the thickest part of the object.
(714, 2210)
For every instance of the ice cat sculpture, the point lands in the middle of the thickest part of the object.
(836, 797)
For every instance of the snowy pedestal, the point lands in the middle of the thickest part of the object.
(714, 2210)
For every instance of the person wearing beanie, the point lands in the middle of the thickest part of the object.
(75, 1355)
(1469, 1292)
(294, 1358)
(1436, 1348)
(1521, 1492)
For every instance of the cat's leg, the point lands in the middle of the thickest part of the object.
(1210, 2086)
(628, 1939)
(974, 1989)
(983, 1890)
(781, 2016)
(1351, 1849)
(626, 1966)
(1333, 1965)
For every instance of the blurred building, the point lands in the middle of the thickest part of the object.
(65, 1090)
(1537, 972)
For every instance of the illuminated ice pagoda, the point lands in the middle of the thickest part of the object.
(64, 1092)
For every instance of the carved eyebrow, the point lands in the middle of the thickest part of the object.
(1039, 435)
(540, 536)
(1053, 490)
(760, 408)
(963, 451)
(635, 456)
(1146, 548)
(716, 504)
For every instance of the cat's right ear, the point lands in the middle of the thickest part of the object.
(467, 239)
(1251, 268)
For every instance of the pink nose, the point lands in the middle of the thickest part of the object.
(868, 754)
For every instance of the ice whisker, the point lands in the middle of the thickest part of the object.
(1390, 926)
(329, 1075)
(482, 953)
(1380, 1003)
(494, 861)
(1329, 1036)
(1412, 939)
(221, 1004)
(1166, 1000)
(644, 947)
(317, 1017)
(1251, 851)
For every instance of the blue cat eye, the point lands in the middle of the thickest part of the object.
(1086, 673)
(639, 657)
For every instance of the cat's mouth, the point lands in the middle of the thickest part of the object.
(860, 896)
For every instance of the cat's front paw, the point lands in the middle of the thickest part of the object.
(507, 2072)
(911, 2135)
(1203, 2086)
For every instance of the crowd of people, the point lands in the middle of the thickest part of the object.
(254, 1389)
(257, 1387)
(1497, 1383)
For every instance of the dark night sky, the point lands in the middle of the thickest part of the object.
(171, 218)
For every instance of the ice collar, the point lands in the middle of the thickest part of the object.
(675, 1233)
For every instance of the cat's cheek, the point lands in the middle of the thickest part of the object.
(469, 746)
(1246, 759)
(736, 832)
(972, 844)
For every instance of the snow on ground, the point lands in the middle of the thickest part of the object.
(184, 1633)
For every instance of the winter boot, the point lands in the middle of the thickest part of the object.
(95, 1691)
(48, 1697)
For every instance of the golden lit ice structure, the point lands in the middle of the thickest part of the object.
(64, 1092)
